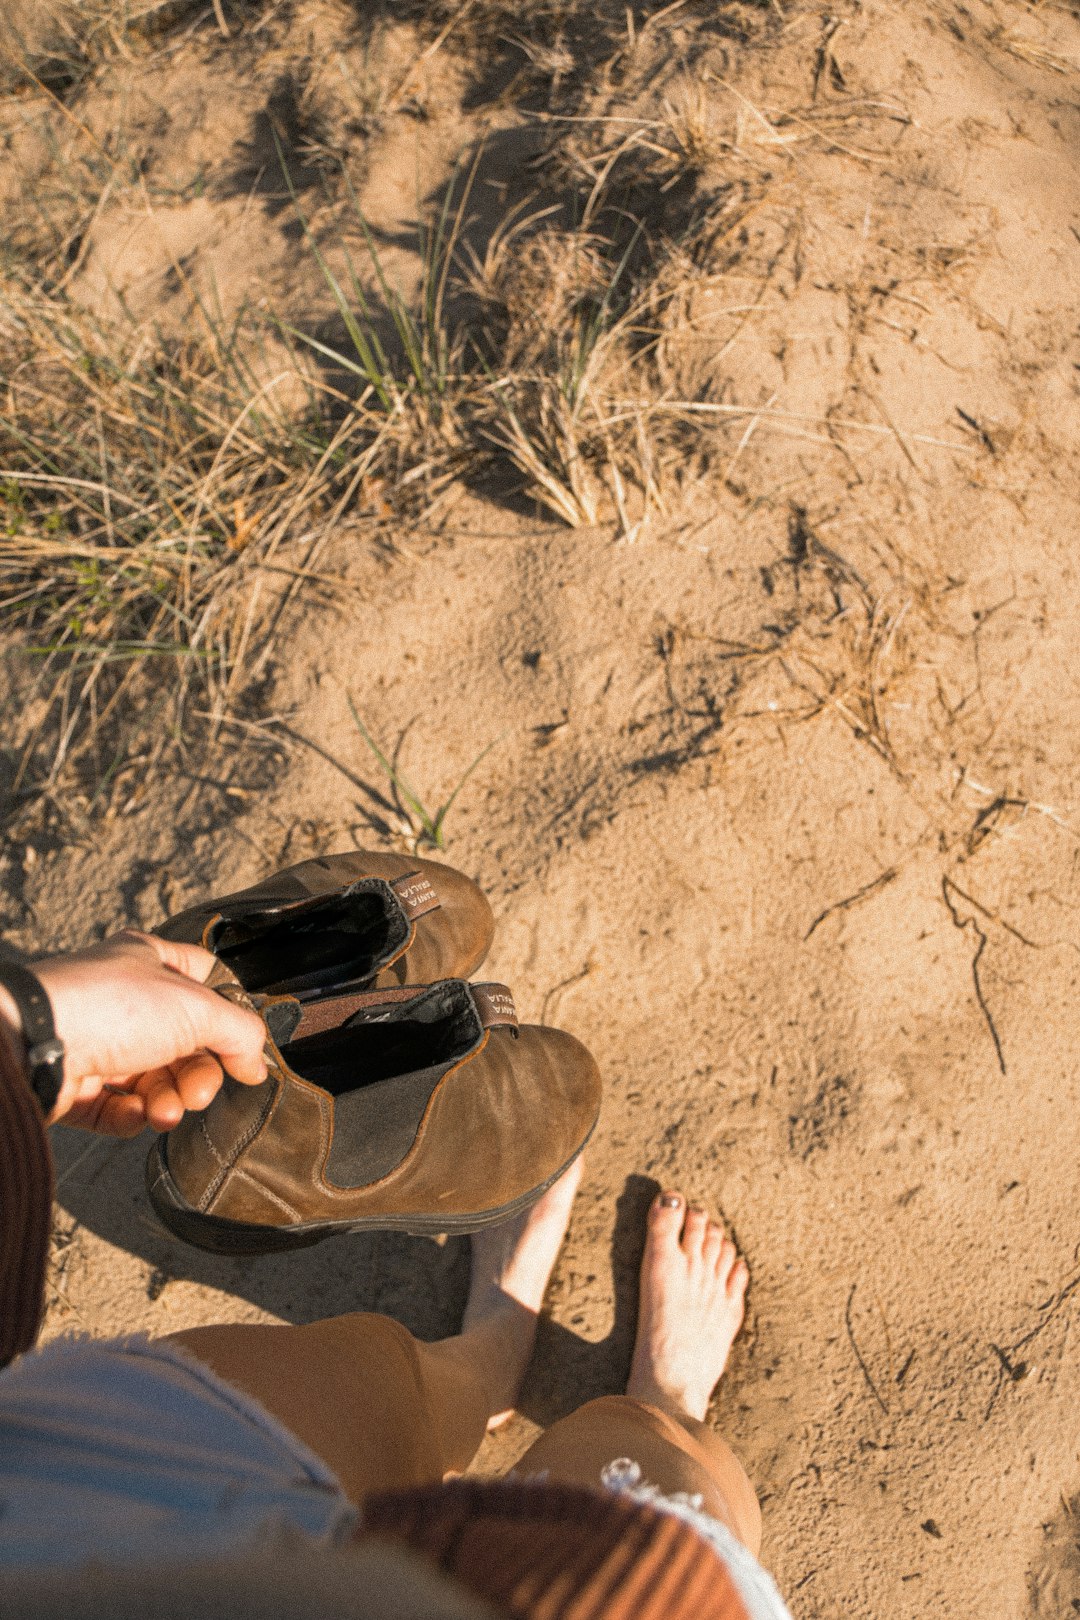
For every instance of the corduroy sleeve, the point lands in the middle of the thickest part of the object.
(539, 1549)
(26, 1189)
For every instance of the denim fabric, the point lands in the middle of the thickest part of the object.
(129, 1450)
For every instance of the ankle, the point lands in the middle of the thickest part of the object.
(643, 1387)
(497, 1350)
(500, 1339)
(496, 1314)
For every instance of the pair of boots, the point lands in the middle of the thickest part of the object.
(399, 1095)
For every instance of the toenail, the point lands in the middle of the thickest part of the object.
(670, 1201)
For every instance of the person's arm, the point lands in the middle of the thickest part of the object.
(26, 1187)
(144, 1040)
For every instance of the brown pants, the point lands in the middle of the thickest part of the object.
(385, 1410)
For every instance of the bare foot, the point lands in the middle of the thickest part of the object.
(693, 1286)
(511, 1266)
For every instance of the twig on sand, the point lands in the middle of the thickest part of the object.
(900, 438)
(948, 889)
(1012, 1371)
(436, 45)
(75, 1163)
(864, 893)
(864, 1369)
(993, 916)
(564, 984)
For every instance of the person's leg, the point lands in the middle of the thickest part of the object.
(692, 1291)
(381, 1408)
(355, 1389)
(511, 1267)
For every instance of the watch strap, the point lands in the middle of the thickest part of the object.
(44, 1049)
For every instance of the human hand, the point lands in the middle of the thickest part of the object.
(144, 1038)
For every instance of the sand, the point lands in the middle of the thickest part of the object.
(780, 814)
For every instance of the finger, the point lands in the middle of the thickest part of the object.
(198, 1080)
(120, 1114)
(235, 1036)
(108, 1114)
(162, 1103)
(76, 1103)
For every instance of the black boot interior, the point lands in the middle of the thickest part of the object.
(429, 1032)
(339, 941)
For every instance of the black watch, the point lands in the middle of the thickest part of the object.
(44, 1049)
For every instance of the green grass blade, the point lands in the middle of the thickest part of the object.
(442, 814)
(407, 793)
(352, 326)
(333, 354)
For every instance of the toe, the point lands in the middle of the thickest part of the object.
(666, 1219)
(695, 1227)
(725, 1259)
(738, 1279)
(714, 1243)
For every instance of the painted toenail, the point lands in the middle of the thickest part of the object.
(670, 1201)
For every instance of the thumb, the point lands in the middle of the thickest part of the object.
(235, 1035)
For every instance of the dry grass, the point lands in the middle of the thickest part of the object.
(145, 489)
(1036, 53)
(158, 495)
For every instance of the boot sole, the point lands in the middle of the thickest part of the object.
(219, 1236)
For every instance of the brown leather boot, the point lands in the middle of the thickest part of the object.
(345, 921)
(423, 1110)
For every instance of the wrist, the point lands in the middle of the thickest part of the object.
(10, 1015)
(27, 1011)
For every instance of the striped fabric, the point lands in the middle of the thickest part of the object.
(26, 1182)
(541, 1551)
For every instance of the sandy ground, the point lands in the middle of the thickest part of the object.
(781, 815)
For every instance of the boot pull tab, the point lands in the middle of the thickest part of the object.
(495, 1005)
(333, 1011)
(417, 895)
(224, 981)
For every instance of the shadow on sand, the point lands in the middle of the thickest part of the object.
(419, 1281)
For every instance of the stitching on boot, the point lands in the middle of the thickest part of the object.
(324, 1146)
(226, 1165)
(208, 1140)
(293, 1214)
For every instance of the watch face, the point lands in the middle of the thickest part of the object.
(46, 1054)
(45, 1063)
